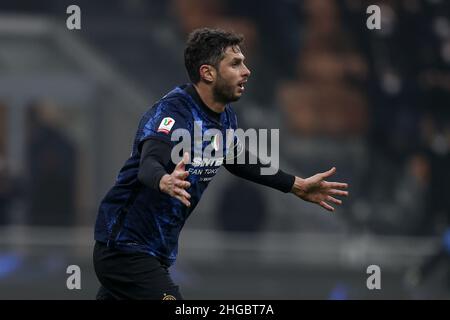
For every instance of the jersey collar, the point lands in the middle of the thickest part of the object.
(190, 89)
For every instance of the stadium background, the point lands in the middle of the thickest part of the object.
(373, 103)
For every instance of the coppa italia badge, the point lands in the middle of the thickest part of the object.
(166, 125)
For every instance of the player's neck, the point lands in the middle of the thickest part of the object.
(207, 97)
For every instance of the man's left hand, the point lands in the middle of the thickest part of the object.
(316, 190)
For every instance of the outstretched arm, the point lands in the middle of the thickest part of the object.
(280, 181)
(313, 189)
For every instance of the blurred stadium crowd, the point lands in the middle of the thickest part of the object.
(375, 103)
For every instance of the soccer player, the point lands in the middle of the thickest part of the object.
(140, 218)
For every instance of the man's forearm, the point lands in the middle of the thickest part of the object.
(151, 173)
(155, 156)
(281, 181)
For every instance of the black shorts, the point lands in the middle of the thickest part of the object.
(132, 275)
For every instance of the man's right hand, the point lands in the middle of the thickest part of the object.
(174, 184)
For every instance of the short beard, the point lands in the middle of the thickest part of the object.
(223, 92)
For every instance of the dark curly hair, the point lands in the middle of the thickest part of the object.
(207, 46)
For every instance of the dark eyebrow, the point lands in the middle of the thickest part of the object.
(237, 60)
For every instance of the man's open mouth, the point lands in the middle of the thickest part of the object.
(241, 84)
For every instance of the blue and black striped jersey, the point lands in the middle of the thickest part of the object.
(135, 217)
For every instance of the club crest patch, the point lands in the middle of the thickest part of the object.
(166, 125)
